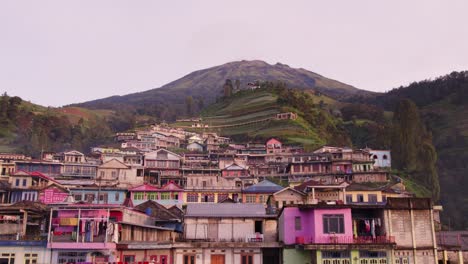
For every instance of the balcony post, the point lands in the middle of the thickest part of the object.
(50, 225)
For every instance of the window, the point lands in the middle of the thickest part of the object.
(103, 198)
(89, 197)
(165, 196)
(117, 196)
(30, 258)
(335, 254)
(259, 227)
(333, 224)
(372, 198)
(129, 258)
(114, 174)
(78, 197)
(360, 198)
(17, 182)
(349, 198)
(152, 196)
(262, 198)
(24, 182)
(5, 257)
(192, 198)
(189, 259)
(385, 157)
(250, 198)
(246, 259)
(208, 198)
(71, 257)
(138, 196)
(297, 223)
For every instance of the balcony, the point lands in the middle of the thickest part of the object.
(20, 240)
(346, 240)
(257, 237)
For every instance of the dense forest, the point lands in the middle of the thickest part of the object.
(32, 131)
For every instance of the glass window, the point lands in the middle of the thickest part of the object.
(333, 224)
(189, 259)
(349, 198)
(250, 198)
(117, 196)
(138, 196)
(372, 198)
(165, 196)
(192, 197)
(247, 259)
(152, 196)
(17, 182)
(297, 223)
(360, 198)
(24, 182)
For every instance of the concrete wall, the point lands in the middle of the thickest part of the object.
(43, 254)
(231, 255)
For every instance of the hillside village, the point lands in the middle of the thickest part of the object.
(167, 195)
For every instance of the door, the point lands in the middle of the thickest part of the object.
(217, 259)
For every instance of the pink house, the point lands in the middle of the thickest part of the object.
(234, 170)
(315, 224)
(274, 146)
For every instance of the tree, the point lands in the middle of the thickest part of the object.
(227, 88)
(189, 105)
(412, 148)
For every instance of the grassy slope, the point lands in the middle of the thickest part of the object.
(249, 106)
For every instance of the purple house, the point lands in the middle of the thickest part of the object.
(316, 224)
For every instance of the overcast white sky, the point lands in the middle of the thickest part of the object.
(61, 52)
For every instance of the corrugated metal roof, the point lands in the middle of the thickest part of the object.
(226, 210)
(263, 187)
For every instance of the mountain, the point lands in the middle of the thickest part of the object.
(443, 105)
(204, 86)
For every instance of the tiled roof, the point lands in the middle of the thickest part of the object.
(263, 187)
(226, 210)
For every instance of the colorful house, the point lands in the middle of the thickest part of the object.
(259, 193)
(22, 235)
(274, 146)
(235, 170)
(330, 234)
(228, 233)
(169, 194)
(162, 166)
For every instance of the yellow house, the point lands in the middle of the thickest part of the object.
(363, 193)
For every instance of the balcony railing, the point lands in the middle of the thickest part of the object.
(257, 237)
(337, 239)
(18, 237)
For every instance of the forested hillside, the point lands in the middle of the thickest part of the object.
(443, 105)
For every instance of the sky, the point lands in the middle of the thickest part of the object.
(56, 53)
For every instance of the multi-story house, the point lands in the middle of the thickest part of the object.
(114, 172)
(26, 186)
(50, 168)
(228, 233)
(7, 162)
(382, 158)
(259, 193)
(75, 165)
(168, 195)
(23, 235)
(105, 233)
(93, 194)
(162, 166)
(400, 231)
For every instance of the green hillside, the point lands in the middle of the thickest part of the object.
(251, 115)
